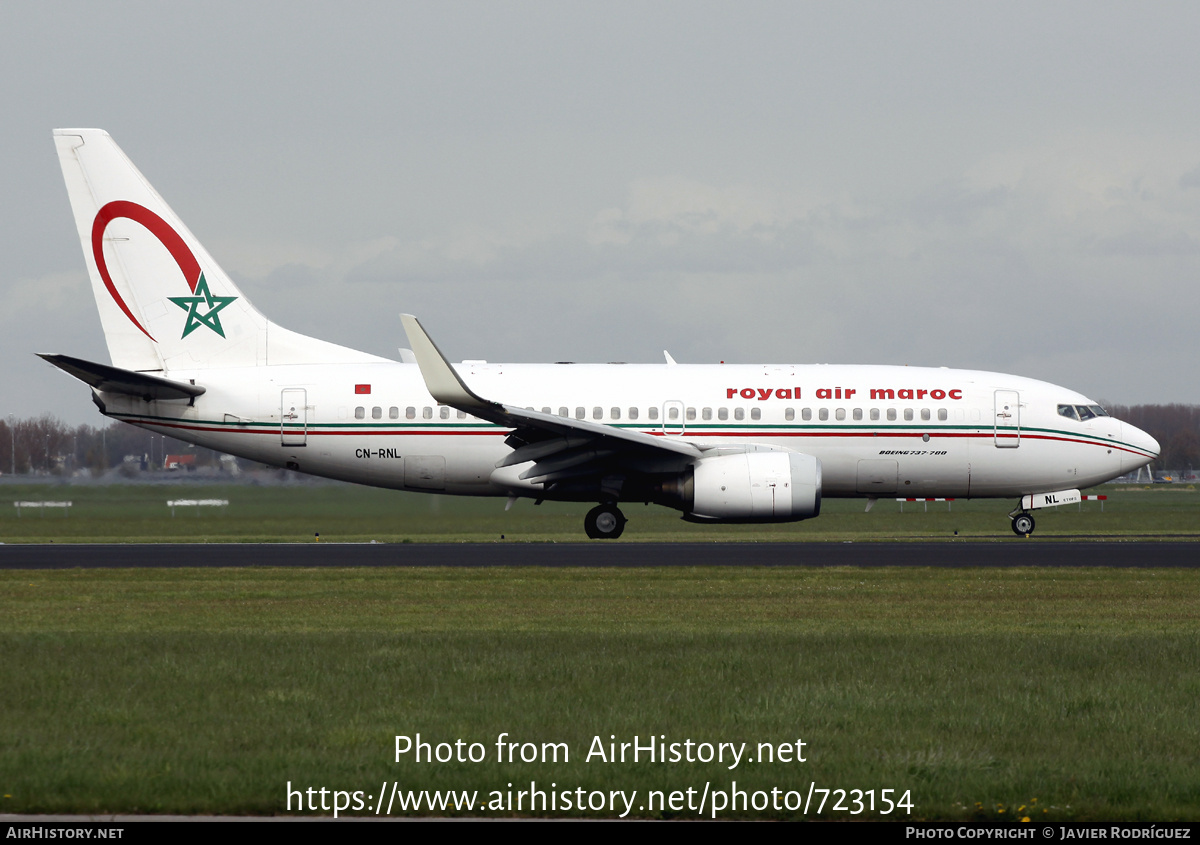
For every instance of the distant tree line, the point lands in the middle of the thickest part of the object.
(47, 446)
(1175, 427)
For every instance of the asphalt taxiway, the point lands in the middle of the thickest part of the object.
(605, 554)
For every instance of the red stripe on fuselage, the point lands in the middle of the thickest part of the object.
(504, 432)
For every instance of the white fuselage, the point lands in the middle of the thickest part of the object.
(877, 430)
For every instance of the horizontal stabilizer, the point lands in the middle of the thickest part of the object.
(115, 380)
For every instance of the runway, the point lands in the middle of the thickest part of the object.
(600, 554)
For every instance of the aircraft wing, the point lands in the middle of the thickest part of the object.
(561, 447)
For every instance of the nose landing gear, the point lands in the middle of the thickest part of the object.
(604, 522)
(1023, 524)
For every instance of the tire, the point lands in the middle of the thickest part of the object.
(1023, 525)
(604, 522)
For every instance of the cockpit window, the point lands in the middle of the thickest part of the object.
(1081, 412)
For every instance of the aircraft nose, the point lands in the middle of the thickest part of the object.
(1145, 447)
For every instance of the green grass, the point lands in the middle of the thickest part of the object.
(979, 691)
(343, 512)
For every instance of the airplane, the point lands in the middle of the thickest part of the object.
(192, 358)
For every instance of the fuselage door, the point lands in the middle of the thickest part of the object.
(293, 417)
(673, 422)
(877, 476)
(1007, 431)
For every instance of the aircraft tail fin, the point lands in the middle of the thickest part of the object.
(164, 302)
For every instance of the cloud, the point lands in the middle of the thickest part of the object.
(51, 313)
(593, 183)
(51, 293)
(1149, 244)
(1191, 179)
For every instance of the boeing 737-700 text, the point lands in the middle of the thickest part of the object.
(192, 358)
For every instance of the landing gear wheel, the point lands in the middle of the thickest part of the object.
(604, 522)
(1022, 524)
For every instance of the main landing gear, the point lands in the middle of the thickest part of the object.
(1023, 524)
(604, 522)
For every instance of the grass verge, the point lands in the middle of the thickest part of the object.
(1065, 695)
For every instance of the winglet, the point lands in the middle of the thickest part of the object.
(667, 355)
(447, 388)
(441, 380)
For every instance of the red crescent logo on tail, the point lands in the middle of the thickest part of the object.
(158, 227)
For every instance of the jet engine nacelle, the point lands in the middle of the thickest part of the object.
(756, 487)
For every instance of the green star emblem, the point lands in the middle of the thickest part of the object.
(191, 304)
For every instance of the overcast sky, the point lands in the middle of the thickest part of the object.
(1008, 186)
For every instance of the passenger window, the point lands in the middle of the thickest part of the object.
(789, 414)
(840, 413)
(691, 413)
(427, 413)
(858, 413)
(706, 414)
(393, 413)
(580, 413)
(546, 411)
(756, 413)
(925, 413)
(823, 414)
(652, 413)
(410, 413)
(722, 413)
(943, 415)
(377, 413)
(739, 413)
(672, 413)
(874, 413)
(444, 412)
(806, 414)
(616, 413)
(563, 412)
(360, 413)
(462, 415)
(891, 414)
(908, 414)
(633, 413)
(597, 413)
